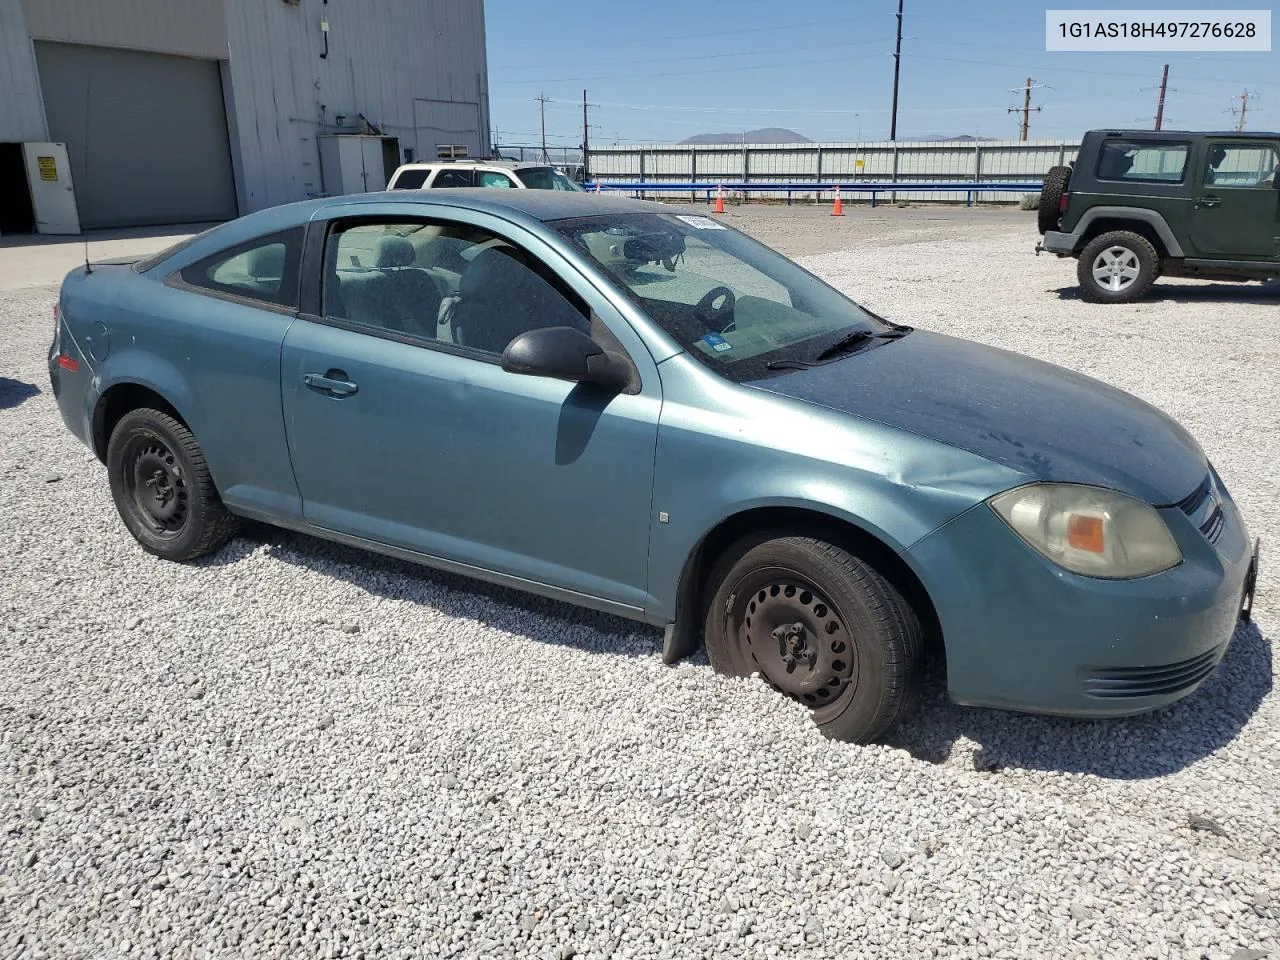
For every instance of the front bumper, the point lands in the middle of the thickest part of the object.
(1022, 633)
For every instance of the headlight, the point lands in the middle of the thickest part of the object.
(1089, 530)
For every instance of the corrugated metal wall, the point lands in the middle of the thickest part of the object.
(21, 118)
(986, 160)
(383, 55)
(190, 28)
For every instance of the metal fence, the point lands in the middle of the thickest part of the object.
(941, 162)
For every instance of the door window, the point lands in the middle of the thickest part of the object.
(489, 178)
(446, 282)
(264, 269)
(452, 178)
(1241, 165)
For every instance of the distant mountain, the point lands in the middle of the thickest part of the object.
(765, 135)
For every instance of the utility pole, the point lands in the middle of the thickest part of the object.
(897, 69)
(1244, 106)
(1164, 86)
(585, 137)
(542, 112)
(1026, 107)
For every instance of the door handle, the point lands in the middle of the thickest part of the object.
(333, 383)
(1208, 201)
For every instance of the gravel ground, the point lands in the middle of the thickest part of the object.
(299, 750)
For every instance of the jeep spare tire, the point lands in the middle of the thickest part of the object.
(1055, 185)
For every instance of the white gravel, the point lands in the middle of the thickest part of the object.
(299, 750)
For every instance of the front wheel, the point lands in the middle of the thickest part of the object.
(162, 487)
(1117, 267)
(821, 626)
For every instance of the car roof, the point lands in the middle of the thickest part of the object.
(539, 204)
(1168, 134)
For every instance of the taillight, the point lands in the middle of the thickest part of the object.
(1062, 204)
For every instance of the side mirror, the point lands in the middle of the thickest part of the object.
(565, 354)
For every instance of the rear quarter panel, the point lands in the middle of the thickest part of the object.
(217, 362)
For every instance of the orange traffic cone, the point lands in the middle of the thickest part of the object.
(837, 208)
(720, 199)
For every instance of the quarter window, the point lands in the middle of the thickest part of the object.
(410, 179)
(1145, 161)
(1241, 165)
(265, 269)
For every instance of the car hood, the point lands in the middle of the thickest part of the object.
(1034, 417)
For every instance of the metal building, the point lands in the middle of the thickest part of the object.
(180, 111)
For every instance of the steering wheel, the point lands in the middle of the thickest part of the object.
(717, 317)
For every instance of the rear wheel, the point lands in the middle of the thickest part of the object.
(1117, 267)
(1049, 213)
(820, 626)
(162, 487)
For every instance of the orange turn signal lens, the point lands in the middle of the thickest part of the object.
(1085, 533)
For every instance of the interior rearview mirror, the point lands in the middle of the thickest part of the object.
(564, 353)
(648, 247)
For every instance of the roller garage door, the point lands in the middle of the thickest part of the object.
(147, 134)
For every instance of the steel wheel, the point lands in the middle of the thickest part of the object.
(796, 638)
(820, 626)
(1116, 268)
(162, 487)
(156, 487)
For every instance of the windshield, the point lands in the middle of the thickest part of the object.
(729, 300)
(546, 178)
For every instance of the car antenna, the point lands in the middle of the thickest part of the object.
(88, 99)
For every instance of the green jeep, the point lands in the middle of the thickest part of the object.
(1136, 204)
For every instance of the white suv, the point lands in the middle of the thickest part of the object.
(480, 173)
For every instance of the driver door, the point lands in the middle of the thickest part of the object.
(418, 439)
(1237, 211)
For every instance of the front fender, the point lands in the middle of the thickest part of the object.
(730, 450)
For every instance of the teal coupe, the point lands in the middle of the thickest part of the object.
(631, 407)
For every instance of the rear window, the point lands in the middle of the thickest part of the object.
(410, 179)
(1147, 161)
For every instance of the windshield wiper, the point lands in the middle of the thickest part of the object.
(851, 340)
(789, 365)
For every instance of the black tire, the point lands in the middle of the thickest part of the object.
(162, 487)
(1048, 214)
(1126, 252)
(855, 661)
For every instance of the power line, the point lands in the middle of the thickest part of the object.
(707, 56)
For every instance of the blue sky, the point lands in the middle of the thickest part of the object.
(662, 70)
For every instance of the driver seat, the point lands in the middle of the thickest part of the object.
(500, 297)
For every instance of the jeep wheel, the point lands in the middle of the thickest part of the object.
(1117, 267)
(1049, 213)
(820, 626)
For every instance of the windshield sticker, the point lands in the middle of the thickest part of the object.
(716, 342)
(702, 223)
